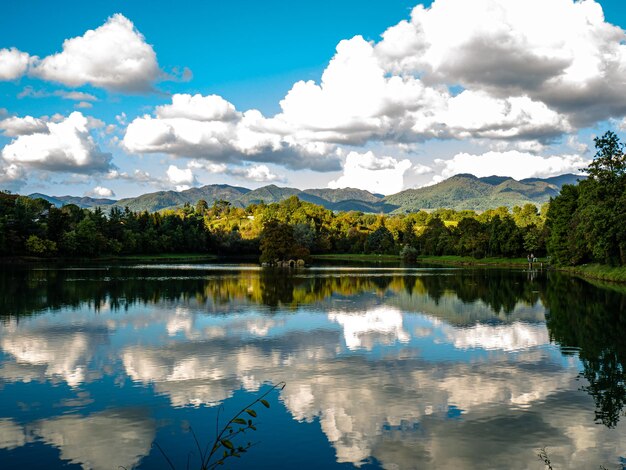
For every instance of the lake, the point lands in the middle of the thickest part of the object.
(112, 366)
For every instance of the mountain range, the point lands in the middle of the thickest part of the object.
(463, 191)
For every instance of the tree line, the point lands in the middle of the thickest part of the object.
(288, 229)
(585, 223)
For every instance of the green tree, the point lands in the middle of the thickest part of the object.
(436, 239)
(609, 162)
(587, 222)
(380, 241)
(278, 243)
(201, 207)
(40, 247)
(473, 239)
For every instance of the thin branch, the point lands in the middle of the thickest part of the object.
(279, 385)
(165, 455)
(195, 438)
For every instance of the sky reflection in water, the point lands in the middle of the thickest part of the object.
(384, 368)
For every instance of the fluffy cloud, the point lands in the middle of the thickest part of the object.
(383, 175)
(12, 177)
(100, 191)
(479, 115)
(510, 49)
(182, 178)
(420, 169)
(259, 173)
(63, 146)
(519, 165)
(16, 126)
(210, 128)
(363, 96)
(13, 64)
(138, 176)
(198, 108)
(355, 100)
(114, 56)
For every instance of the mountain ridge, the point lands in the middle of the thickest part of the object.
(461, 191)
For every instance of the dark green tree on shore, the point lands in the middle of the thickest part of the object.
(587, 223)
(278, 243)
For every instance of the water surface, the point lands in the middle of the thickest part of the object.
(385, 367)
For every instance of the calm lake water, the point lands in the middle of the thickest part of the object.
(385, 367)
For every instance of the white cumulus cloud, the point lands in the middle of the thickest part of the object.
(210, 128)
(12, 177)
(114, 56)
(518, 165)
(13, 64)
(183, 178)
(101, 191)
(62, 146)
(383, 175)
(560, 52)
(259, 173)
(16, 126)
(198, 108)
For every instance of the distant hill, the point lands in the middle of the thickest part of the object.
(466, 191)
(160, 200)
(266, 194)
(463, 191)
(344, 194)
(82, 202)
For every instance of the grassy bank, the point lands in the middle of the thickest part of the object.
(597, 271)
(451, 260)
(470, 261)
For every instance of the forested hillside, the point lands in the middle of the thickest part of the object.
(459, 192)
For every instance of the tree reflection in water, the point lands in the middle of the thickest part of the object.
(589, 319)
(593, 321)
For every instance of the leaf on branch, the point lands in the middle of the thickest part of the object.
(265, 403)
(226, 443)
(251, 412)
(239, 421)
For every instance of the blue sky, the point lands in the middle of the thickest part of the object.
(161, 95)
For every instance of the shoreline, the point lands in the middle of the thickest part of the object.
(596, 272)
(173, 257)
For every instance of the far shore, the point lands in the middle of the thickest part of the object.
(590, 271)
